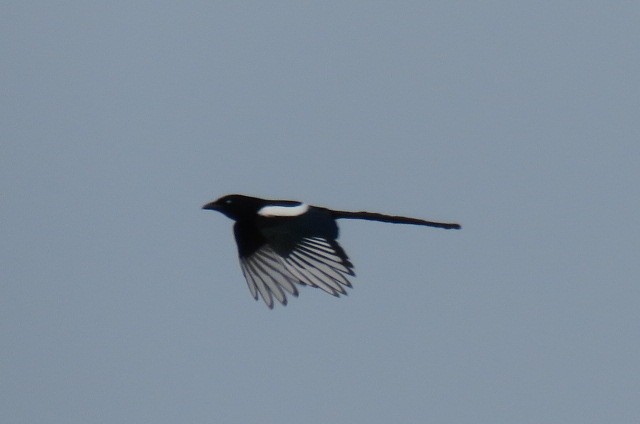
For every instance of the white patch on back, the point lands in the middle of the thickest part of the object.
(276, 211)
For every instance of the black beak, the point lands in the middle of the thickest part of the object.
(213, 206)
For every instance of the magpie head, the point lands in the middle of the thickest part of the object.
(236, 206)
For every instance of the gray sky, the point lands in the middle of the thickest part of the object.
(122, 301)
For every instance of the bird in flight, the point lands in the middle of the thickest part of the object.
(282, 243)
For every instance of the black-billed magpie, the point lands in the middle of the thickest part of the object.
(282, 243)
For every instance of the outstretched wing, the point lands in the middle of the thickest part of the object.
(267, 276)
(296, 251)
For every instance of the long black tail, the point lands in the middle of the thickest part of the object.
(372, 216)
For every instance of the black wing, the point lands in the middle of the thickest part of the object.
(285, 252)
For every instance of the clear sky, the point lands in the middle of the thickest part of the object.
(123, 302)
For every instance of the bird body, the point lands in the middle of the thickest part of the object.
(284, 243)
